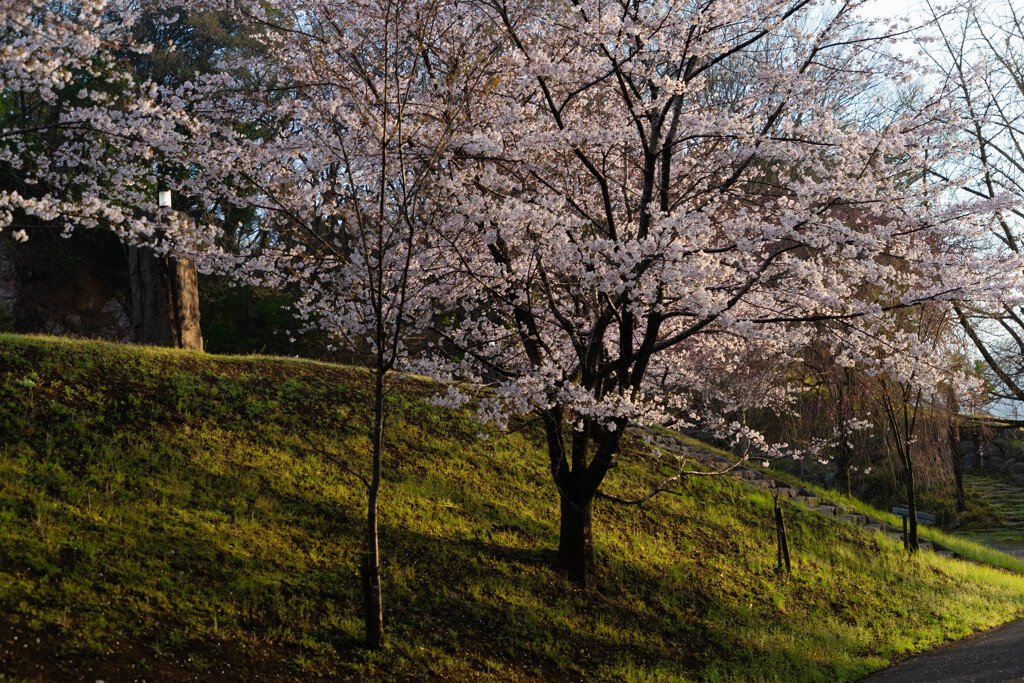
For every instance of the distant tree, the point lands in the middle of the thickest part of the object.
(185, 43)
(981, 51)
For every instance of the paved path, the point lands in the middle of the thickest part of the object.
(995, 656)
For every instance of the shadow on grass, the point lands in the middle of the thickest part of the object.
(171, 549)
(183, 576)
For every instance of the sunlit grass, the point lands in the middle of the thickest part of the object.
(168, 514)
(964, 546)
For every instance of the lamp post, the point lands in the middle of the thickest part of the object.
(164, 199)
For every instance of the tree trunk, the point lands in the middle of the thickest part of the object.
(372, 599)
(165, 300)
(592, 451)
(908, 474)
(373, 611)
(958, 469)
(845, 454)
(843, 461)
(575, 542)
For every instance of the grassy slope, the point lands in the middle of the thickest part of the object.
(977, 546)
(162, 514)
(1000, 523)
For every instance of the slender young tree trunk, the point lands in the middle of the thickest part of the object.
(165, 300)
(843, 469)
(845, 455)
(783, 539)
(575, 540)
(958, 466)
(372, 600)
(908, 475)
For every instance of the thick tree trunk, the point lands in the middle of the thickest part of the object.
(575, 540)
(577, 485)
(372, 598)
(165, 300)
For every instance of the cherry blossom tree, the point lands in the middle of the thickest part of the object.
(373, 133)
(165, 289)
(607, 198)
(912, 397)
(329, 135)
(45, 50)
(357, 103)
(619, 215)
(62, 65)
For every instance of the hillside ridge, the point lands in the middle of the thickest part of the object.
(162, 515)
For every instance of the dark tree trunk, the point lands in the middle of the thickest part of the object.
(165, 300)
(958, 468)
(592, 450)
(908, 478)
(844, 457)
(843, 461)
(575, 540)
(783, 539)
(372, 598)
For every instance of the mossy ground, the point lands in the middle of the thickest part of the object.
(168, 515)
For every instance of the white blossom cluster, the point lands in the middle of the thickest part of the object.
(603, 213)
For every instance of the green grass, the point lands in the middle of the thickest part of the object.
(995, 512)
(164, 515)
(961, 543)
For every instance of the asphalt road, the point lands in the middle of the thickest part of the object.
(995, 656)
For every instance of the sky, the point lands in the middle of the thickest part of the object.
(890, 8)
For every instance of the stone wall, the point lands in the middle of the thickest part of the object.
(1003, 454)
(8, 285)
(75, 286)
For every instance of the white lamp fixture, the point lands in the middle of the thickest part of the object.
(165, 199)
